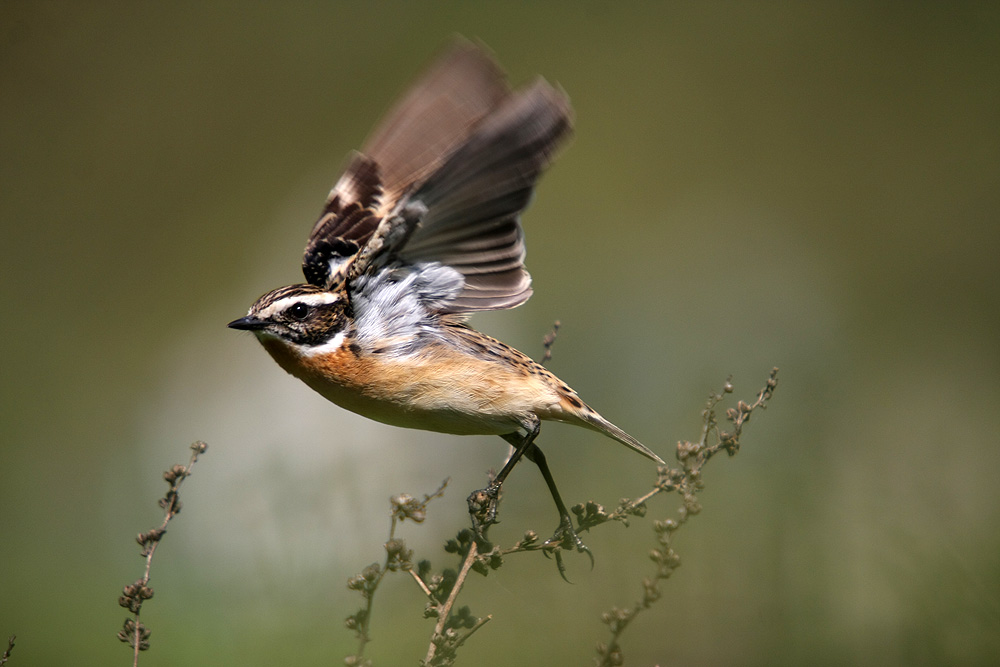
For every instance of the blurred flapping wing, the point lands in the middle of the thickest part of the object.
(444, 179)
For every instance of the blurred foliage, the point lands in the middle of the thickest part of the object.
(814, 187)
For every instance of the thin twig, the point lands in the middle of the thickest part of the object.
(423, 586)
(480, 623)
(684, 479)
(470, 558)
(549, 341)
(134, 632)
(687, 482)
(398, 557)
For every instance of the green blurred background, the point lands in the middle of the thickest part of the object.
(751, 184)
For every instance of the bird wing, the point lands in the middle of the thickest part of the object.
(443, 180)
(417, 134)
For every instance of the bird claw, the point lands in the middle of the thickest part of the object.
(483, 506)
(483, 510)
(565, 537)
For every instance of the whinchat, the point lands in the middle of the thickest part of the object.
(422, 229)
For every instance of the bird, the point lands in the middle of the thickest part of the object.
(421, 230)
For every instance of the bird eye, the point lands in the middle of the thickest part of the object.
(298, 311)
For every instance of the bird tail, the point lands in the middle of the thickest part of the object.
(589, 418)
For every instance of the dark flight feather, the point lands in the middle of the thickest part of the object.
(444, 179)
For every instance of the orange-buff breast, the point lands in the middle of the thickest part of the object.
(437, 390)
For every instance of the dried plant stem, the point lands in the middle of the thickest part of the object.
(423, 586)
(470, 558)
(687, 482)
(373, 582)
(134, 632)
(548, 342)
(454, 624)
(398, 557)
(480, 623)
(10, 647)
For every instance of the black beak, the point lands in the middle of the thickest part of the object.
(247, 324)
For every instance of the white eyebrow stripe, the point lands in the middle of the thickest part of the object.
(316, 299)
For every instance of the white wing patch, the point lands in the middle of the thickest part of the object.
(337, 264)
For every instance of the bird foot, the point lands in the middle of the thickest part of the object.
(565, 537)
(483, 510)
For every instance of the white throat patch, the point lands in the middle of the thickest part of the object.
(332, 345)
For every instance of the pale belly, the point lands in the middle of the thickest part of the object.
(439, 416)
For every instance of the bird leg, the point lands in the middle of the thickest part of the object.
(483, 503)
(565, 534)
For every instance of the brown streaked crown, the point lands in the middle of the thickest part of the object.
(302, 314)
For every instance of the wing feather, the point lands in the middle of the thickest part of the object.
(424, 127)
(346, 224)
(436, 115)
(443, 180)
(474, 200)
